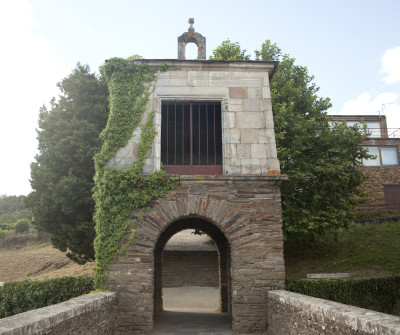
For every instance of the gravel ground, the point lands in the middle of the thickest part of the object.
(192, 298)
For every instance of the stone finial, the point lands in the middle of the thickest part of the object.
(191, 21)
(192, 37)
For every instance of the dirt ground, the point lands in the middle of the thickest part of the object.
(38, 262)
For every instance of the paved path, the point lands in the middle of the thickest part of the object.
(193, 323)
(191, 298)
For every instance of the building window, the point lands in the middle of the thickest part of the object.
(191, 137)
(383, 156)
(372, 129)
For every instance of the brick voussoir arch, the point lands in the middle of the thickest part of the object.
(165, 212)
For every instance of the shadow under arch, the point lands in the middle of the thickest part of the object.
(224, 257)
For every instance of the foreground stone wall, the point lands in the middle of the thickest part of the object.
(294, 314)
(93, 314)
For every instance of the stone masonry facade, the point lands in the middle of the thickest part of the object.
(378, 176)
(241, 214)
(242, 88)
(190, 268)
(240, 208)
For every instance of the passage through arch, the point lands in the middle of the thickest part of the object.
(222, 246)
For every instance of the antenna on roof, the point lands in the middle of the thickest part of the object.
(383, 108)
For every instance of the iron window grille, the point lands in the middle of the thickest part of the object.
(191, 137)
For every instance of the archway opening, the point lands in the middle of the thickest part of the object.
(179, 264)
(190, 272)
(192, 51)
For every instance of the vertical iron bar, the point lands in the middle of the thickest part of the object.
(175, 137)
(215, 142)
(167, 133)
(207, 129)
(199, 134)
(191, 134)
(183, 134)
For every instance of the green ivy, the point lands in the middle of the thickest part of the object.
(119, 192)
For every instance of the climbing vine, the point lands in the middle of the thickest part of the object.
(118, 192)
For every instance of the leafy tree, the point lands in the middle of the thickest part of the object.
(10, 204)
(229, 51)
(62, 175)
(320, 158)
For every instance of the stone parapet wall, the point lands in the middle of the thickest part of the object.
(294, 314)
(190, 268)
(93, 314)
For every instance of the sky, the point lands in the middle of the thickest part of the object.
(352, 47)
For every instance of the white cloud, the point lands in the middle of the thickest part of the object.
(388, 103)
(391, 65)
(29, 75)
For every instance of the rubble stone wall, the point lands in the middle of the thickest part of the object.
(93, 314)
(296, 314)
(190, 268)
(241, 214)
(374, 185)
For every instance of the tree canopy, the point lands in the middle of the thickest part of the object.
(229, 51)
(62, 174)
(319, 157)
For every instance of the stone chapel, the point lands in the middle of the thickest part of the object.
(215, 130)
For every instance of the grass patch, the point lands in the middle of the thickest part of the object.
(37, 246)
(363, 251)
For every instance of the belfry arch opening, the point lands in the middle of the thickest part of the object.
(191, 51)
(223, 262)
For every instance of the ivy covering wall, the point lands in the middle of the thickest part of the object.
(119, 192)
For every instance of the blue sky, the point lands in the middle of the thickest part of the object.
(351, 47)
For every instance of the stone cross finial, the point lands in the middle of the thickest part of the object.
(191, 21)
(192, 37)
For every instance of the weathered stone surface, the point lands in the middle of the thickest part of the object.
(92, 314)
(190, 268)
(250, 120)
(242, 215)
(242, 88)
(238, 92)
(292, 313)
(249, 136)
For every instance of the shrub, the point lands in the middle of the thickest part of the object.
(22, 296)
(378, 294)
(22, 226)
(4, 233)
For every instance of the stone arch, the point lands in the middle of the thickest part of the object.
(193, 222)
(243, 211)
(192, 37)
